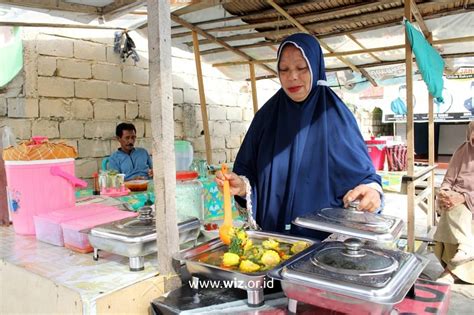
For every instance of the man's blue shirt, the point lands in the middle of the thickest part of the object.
(137, 163)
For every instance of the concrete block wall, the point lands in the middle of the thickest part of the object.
(73, 87)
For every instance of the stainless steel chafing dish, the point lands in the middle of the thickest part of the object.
(253, 283)
(381, 229)
(136, 237)
(348, 276)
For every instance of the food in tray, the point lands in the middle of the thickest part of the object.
(137, 185)
(247, 255)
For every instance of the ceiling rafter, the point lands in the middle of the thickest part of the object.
(253, 15)
(199, 5)
(120, 8)
(212, 38)
(393, 15)
(302, 18)
(59, 5)
(419, 18)
(323, 44)
(273, 43)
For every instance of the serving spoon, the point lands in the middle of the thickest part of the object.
(227, 226)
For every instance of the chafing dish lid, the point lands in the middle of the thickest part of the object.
(142, 226)
(352, 259)
(353, 222)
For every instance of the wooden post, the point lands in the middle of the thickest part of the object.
(254, 87)
(202, 99)
(162, 127)
(431, 221)
(409, 135)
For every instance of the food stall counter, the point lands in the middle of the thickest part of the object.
(36, 277)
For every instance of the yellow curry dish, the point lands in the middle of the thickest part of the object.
(247, 255)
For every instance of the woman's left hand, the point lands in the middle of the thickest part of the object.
(369, 198)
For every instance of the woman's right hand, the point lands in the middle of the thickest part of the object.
(237, 185)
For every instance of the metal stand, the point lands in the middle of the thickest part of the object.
(137, 263)
(292, 305)
(96, 254)
(255, 298)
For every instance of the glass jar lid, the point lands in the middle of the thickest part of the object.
(352, 259)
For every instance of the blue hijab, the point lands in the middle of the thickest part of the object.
(302, 157)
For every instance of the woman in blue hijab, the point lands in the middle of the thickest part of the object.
(303, 150)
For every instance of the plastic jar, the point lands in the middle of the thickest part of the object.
(189, 196)
(184, 155)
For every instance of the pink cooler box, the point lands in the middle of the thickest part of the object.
(77, 241)
(48, 225)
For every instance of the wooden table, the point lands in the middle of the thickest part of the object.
(422, 186)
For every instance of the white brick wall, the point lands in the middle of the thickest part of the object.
(46, 65)
(3, 106)
(178, 97)
(47, 128)
(87, 167)
(131, 110)
(73, 68)
(140, 127)
(71, 129)
(89, 51)
(109, 110)
(54, 107)
(135, 75)
(82, 109)
(22, 107)
(219, 129)
(234, 113)
(143, 93)
(107, 72)
(55, 87)
(54, 46)
(233, 142)
(217, 113)
(144, 110)
(100, 129)
(120, 91)
(93, 148)
(91, 89)
(21, 128)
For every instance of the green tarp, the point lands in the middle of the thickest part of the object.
(11, 53)
(429, 61)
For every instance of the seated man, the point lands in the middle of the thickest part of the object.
(135, 163)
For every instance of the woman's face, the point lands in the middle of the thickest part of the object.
(295, 76)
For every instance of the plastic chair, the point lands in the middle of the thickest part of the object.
(105, 163)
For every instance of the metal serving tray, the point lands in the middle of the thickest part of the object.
(375, 294)
(253, 283)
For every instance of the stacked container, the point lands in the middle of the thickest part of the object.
(40, 179)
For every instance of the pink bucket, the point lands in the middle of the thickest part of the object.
(38, 187)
